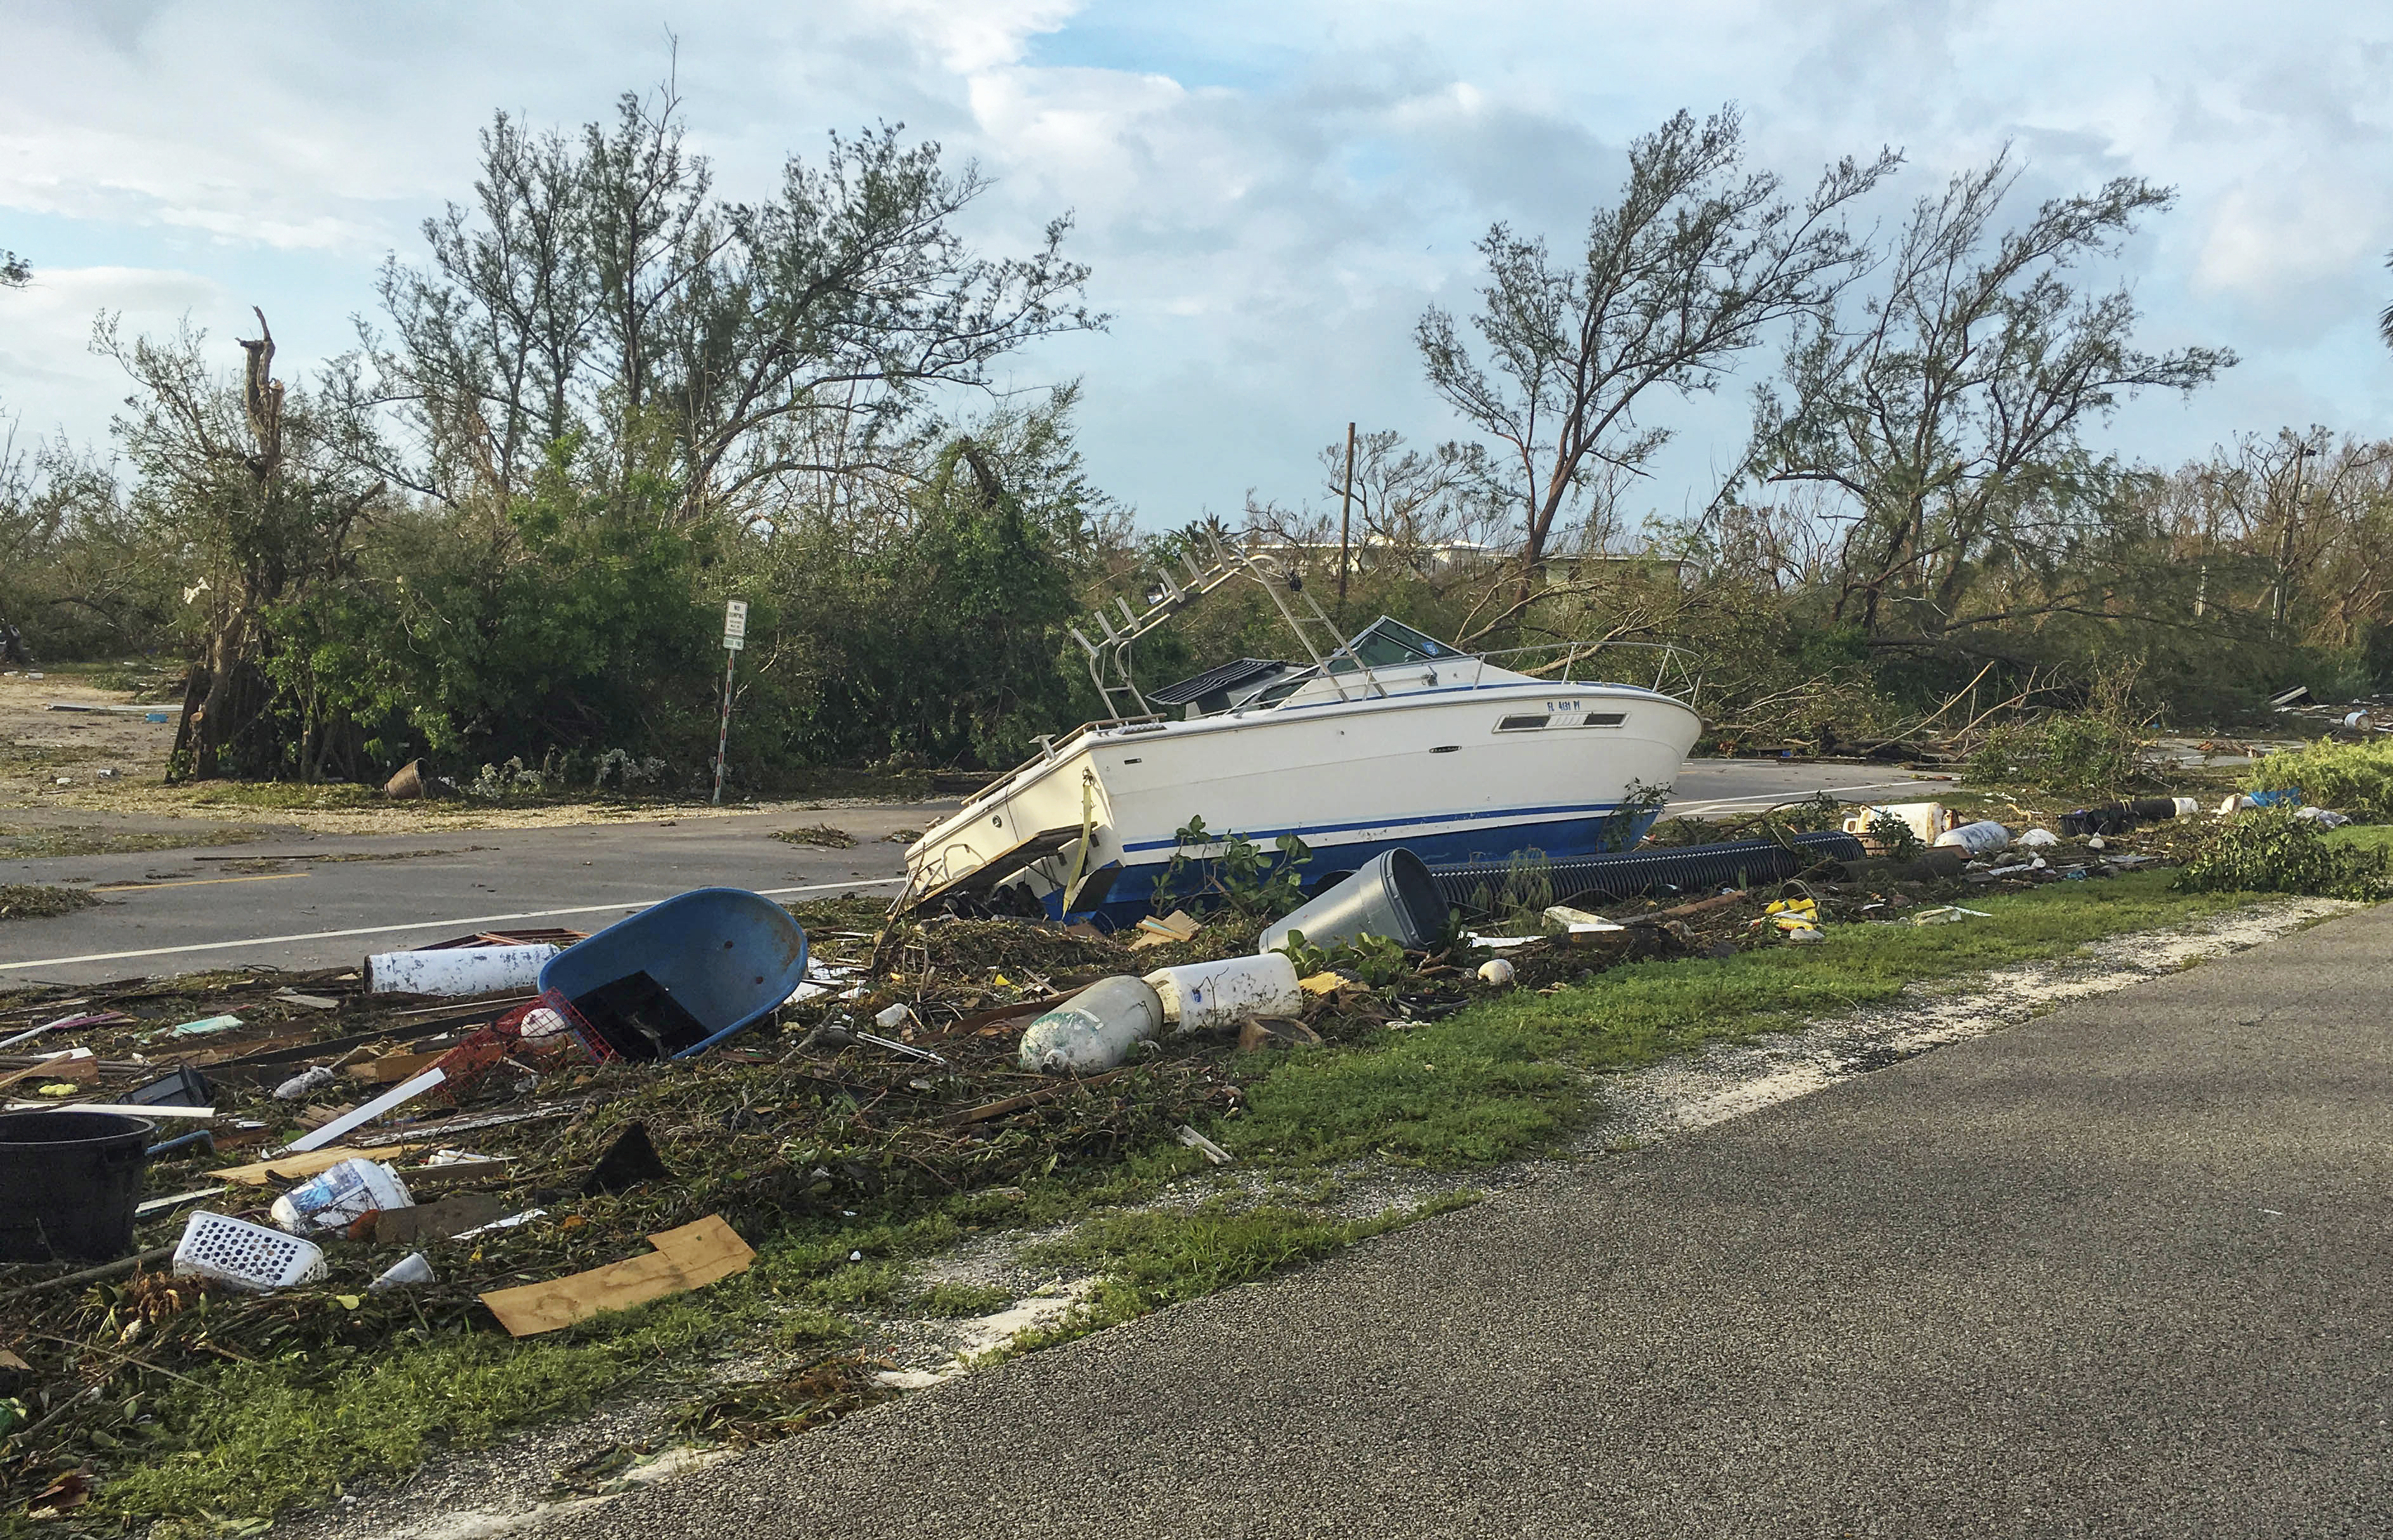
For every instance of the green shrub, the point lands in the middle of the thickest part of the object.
(2087, 754)
(2270, 849)
(2356, 779)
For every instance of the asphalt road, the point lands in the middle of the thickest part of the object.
(180, 910)
(2121, 1272)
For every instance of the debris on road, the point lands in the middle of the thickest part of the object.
(1202, 1146)
(414, 1268)
(1393, 895)
(341, 1197)
(1177, 926)
(247, 1256)
(1199, 997)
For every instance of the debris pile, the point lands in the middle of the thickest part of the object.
(327, 1158)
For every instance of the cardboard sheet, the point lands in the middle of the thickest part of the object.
(689, 1258)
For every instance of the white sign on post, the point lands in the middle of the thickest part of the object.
(735, 625)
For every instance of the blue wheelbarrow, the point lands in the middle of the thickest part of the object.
(679, 976)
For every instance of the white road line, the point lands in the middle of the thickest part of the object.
(474, 921)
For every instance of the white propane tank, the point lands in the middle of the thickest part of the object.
(1983, 838)
(1095, 1029)
(1203, 995)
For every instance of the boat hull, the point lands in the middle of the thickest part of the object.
(1451, 776)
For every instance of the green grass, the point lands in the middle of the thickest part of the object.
(1503, 1078)
(2364, 836)
(952, 1300)
(1473, 1089)
(251, 1440)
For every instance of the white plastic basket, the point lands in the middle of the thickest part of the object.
(244, 1255)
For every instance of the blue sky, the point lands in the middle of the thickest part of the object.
(1269, 194)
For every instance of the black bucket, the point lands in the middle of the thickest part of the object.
(68, 1183)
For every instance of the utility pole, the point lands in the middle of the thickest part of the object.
(735, 637)
(1345, 522)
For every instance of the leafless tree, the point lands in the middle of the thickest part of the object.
(1694, 266)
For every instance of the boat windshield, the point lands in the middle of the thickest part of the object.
(1386, 643)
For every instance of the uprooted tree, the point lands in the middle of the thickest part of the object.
(261, 491)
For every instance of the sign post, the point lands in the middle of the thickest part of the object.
(735, 638)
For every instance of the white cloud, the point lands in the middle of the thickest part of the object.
(48, 379)
(1270, 192)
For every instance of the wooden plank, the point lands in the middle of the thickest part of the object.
(394, 1068)
(298, 1168)
(686, 1258)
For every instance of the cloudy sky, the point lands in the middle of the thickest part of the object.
(1270, 193)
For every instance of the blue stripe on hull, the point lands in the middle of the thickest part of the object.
(1504, 821)
(1132, 897)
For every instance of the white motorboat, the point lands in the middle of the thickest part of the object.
(1389, 739)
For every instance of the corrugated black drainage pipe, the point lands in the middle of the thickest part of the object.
(1636, 873)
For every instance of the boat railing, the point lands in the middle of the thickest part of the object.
(1054, 746)
(1667, 657)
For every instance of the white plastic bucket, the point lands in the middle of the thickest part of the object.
(457, 969)
(1205, 995)
(339, 1195)
(1095, 1029)
(1983, 838)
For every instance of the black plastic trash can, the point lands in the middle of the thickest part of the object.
(68, 1183)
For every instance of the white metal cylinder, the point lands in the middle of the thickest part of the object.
(1203, 995)
(457, 969)
(1983, 838)
(1095, 1029)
